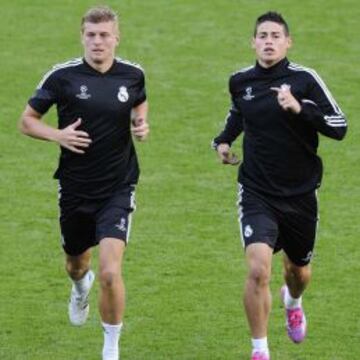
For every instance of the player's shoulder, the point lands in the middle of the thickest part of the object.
(239, 76)
(69, 63)
(303, 71)
(242, 73)
(66, 66)
(60, 68)
(130, 66)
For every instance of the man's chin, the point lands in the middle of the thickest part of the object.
(97, 60)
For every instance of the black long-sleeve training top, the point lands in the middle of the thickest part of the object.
(280, 147)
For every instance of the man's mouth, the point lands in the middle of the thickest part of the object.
(269, 50)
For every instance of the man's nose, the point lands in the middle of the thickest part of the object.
(97, 39)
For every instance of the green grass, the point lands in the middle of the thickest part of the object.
(184, 268)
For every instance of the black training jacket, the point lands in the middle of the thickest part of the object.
(279, 147)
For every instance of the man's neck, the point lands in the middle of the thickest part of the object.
(267, 65)
(100, 67)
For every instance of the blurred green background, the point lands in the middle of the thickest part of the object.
(184, 268)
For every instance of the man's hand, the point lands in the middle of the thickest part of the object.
(226, 156)
(286, 99)
(140, 128)
(74, 140)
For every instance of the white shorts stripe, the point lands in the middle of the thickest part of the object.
(240, 213)
(133, 206)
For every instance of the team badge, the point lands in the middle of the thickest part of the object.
(308, 257)
(248, 96)
(122, 225)
(248, 231)
(123, 94)
(83, 93)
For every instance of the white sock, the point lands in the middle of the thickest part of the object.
(111, 340)
(260, 345)
(290, 302)
(83, 284)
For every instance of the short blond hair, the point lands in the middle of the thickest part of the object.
(99, 14)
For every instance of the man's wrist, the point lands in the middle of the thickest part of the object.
(298, 109)
(55, 135)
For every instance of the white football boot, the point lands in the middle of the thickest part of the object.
(79, 304)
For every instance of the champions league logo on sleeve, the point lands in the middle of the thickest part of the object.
(123, 94)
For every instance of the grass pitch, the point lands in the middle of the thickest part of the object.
(184, 268)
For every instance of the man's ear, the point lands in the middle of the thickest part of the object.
(252, 43)
(290, 42)
(118, 37)
(81, 37)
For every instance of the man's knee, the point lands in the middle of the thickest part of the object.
(76, 271)
(259, 257)
(77, 266)
(109, 278)
(259, 273)
(301, 273)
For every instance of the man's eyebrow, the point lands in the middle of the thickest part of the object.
(269, 32)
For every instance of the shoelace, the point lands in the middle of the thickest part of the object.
(80, 300)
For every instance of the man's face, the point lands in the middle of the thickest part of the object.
(270, 43)
(100, 41)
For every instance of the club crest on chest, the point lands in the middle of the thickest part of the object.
(123, 94)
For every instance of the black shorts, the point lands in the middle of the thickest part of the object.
(283, 223)
(85, 222)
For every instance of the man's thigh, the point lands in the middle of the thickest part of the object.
(77, 224)
(115, 217)
(298, 229)
(258, 224)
